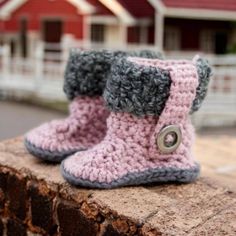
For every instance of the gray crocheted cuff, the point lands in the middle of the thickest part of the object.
(143, 90)
(87, 71)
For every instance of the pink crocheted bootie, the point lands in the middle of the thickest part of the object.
(83, 128)
(150, 135)
(85, 79)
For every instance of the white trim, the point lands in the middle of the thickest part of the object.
(123, 36)
(82, 6)
(119, 11)
(86, 30)
(160, 10)
(200, 14)
(144, 21)
(158, 5)
(106, 20)
(113, 20)
(8, 8)
(192, 13)
(159, 30)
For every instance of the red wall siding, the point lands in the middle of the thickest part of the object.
(36, 10)
(229, 5)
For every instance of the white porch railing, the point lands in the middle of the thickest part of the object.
(219, 108)
(42, 76)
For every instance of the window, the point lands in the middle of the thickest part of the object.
(97, 33)
(207, 41)
(172, 39)
(52, 30)
(221, 42)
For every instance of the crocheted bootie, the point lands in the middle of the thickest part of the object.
(149, 135)
(85, 79)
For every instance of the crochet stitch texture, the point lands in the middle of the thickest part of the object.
(129, 155)
(150, 86)
(87, 71)
(83, 128)
(85, 78)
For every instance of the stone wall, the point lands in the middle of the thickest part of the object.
(35, 200)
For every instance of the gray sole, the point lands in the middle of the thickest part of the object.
(156, 175)
(47, 155)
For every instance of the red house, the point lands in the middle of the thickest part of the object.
(190, 25)
(171, 25)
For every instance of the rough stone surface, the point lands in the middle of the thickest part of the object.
(35, 200)
(41, 202)
(3, 184)
(14, 227)
(217, 155)
(223, 223)
(17, 195)
(2, 200)
(1, 227)
(182, 216)
(111, 231)
(82, 225)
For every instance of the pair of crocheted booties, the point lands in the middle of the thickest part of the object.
(139, 132)
(85, 79)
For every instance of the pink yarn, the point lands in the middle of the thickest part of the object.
(130, 142)
(83, 128)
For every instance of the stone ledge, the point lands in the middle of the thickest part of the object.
(35, 200)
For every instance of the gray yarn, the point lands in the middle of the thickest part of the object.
(147, 54)
(143, 90)
(47, 155)
(87, 71)
(204, 72)
(155, 175)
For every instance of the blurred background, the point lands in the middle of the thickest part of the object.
(36, 36)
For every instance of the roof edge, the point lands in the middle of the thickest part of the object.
(9, 7)
(120, 11)
(83, 6)
(210, 14)
(193, 13)
(158, 5)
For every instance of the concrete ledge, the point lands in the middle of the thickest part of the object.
(35, 200)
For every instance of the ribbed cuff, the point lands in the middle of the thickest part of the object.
(143, 90)
(87, 71)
